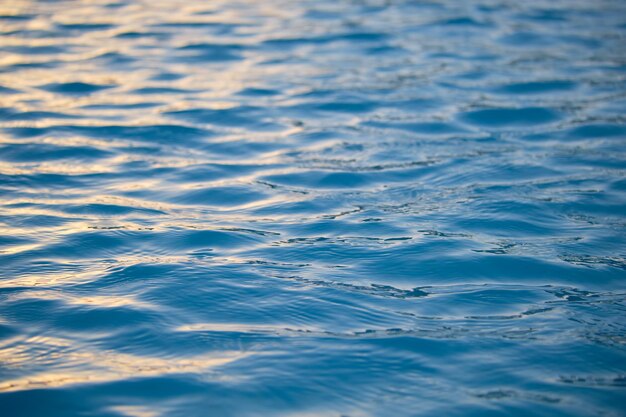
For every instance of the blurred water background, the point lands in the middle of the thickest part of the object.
(312, 208)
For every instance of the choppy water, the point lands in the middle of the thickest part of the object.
(276, 208)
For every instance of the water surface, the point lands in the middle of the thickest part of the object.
(312, 208)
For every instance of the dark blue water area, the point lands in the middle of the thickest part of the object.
(312, 208)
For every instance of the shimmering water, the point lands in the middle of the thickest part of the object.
(312, 208)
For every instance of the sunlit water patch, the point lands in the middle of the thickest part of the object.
(328, 208)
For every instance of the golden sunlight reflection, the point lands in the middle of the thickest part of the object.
(73, 366)
(240, 328)
(104, 301)
(135, 411)
(54, 278)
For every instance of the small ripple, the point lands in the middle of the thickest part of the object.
(537, 87)
(75, 88)
(498, 118)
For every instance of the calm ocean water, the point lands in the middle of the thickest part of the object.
(312, 208)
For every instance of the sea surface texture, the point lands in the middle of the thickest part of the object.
(312, 208)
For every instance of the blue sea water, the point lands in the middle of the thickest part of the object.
(312, 208)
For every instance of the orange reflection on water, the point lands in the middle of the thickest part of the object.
(81, 367)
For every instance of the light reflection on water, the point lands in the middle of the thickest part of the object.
(312, 208)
